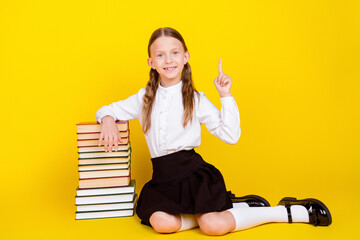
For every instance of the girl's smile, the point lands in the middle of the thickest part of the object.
(169, 69)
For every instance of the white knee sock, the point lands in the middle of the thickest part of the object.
(188, 221)
(250, 217)
(240, 205)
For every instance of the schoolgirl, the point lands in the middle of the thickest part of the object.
(185, 191)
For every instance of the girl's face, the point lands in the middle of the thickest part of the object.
(167, 57)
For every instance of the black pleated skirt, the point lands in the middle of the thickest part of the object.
(183, 182)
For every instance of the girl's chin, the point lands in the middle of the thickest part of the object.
(170, 76)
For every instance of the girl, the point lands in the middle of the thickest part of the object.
(185, 191)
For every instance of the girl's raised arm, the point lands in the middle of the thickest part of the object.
(224, 124)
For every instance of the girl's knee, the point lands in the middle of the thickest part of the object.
(163, 222)
(212, 224)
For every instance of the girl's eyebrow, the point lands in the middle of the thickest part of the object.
(170, 50)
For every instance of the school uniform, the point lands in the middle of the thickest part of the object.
(182, 181)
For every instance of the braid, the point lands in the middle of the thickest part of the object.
(188, 91)
(148, 100)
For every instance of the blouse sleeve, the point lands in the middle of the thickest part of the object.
(224, 124)
(124, 110)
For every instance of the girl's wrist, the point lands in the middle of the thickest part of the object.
(107, 118)
(225, 94)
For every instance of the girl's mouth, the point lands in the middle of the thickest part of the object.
(169, 69)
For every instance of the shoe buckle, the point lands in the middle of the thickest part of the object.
(288, 206)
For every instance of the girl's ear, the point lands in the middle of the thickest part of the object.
(150, 63)
(186, 57)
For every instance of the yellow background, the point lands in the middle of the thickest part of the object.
(295, 70)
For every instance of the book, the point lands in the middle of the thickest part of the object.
(125, 197)
(105, 214)
(107, 206)
(105, 173)
(95, 142)
(121, 147)
(92, 127)
(92, 161)
(83, 136)
(104, 191)
(104, 167)
(104, 154)
(104, 182)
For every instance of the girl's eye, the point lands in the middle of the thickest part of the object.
(176, 52)
(159, 55)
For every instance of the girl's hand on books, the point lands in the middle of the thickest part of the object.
(110, 134)
(223, 82)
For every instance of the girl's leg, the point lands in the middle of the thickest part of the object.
(216, 223)
(252, 217)
(163, 222)
(168, 223)
(234, 219)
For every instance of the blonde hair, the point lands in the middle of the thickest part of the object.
(188, 88)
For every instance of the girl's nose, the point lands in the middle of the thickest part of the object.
(168, 58)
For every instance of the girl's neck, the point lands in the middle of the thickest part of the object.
(169, 83)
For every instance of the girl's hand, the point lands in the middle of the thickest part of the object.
(110, 133)
(223, 82)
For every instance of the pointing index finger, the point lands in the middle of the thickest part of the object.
(220, 66)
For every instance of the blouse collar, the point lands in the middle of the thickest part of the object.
(173, 88)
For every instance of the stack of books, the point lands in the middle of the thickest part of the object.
(105, 186)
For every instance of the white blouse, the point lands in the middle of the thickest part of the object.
(167, 134)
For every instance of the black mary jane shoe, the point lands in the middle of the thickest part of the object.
(319, 214)
(251, 200)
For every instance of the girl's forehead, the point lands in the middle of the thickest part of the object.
(165, 43)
